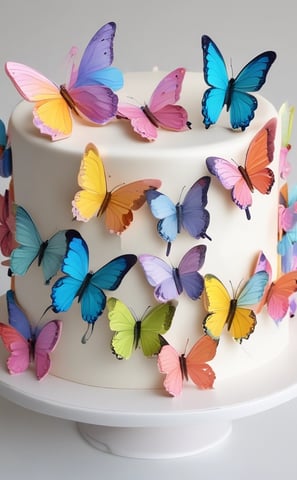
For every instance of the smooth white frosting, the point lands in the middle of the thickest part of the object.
(45, 181)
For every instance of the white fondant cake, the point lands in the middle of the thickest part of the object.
(45, 182)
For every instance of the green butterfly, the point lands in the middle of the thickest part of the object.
(129, 332)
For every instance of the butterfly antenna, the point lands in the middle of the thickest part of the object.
(88, 333)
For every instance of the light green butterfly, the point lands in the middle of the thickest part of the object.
(130, 332)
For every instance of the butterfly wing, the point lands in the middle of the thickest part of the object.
(122, 322)
(160, 275)
(46, 342)
(278, 297)
(195, 218)
(157, 322)
(198, 370)
(165, 210)
(29, 240)
(169, 364)
(17, 317)
(139, 120)
(7, 224)
(18, 347)
(5, 153)
(53, 255)
(217, 303)
(191, 280)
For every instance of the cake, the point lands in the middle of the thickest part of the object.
(47, 177)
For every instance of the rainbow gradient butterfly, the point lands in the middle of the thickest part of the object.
(234, 92)
(178, 367)
(88, 93)
(242, 180)
(49, 253)
(287, 245)
(26, 344)
(5, 153)
(278, 292)
(170, 282)
(95, 199)
(88, 287)
(161, 110)
(191, 214)
(131, 332)
(236, 312)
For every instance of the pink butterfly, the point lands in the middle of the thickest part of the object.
(242, 180)
(161, 110)
(169, 282)
(25, 344)
(177, 367)
(88, 94)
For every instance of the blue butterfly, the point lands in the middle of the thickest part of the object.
(233, 92)
(5, 153)
(50, 253)
(85, 285)
(191, 214)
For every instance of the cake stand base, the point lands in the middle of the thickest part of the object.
(155, 443)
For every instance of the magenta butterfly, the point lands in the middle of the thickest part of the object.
(255, 174)
(26, 344)
(89, 92)
(169, 282)
(161, 110)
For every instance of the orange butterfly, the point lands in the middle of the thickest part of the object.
(255, 174)
(95, 199)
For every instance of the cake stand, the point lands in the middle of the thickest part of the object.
(149, 424)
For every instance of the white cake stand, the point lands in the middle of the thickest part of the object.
(149, 424)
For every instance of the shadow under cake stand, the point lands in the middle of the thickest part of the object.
(149, 424)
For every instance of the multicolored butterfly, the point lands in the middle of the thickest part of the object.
(278, 292)
(5, 153)
(7, 224)
(88, 93)
(26, 344)
(286, 114)
(255, 174)
(191, 214)
(237, 312)
(84, 285)
(130, 332)
(49, 253)
(161, 110)
(95, 199)
(234, 92)
(287, 245)
(169, 282)
(179, 367)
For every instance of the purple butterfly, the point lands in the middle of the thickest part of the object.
(170, 282)
(25, 344)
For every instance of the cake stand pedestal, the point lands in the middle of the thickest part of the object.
(149, 424)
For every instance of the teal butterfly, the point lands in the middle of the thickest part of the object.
(129, 333)
(49, 253)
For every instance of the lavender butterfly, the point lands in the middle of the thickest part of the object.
(170, 282)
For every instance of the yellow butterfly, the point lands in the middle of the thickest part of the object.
(95, 199)
(236, 312)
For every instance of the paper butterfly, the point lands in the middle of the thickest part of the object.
(130, 332)
(88, 93)
(278, 292)
(254, 175)
(169, 282)
(287, 208)
(5, 153)
(287, 245)
(26, 344)
(49, 253)
(85, 285)
(179, 367)
(191, 214)
(161, 110)
(237, 312)
(286, 114)
(7, 224)
(234, 92)
(95, 199)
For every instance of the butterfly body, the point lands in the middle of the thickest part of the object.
(234, 92)
(25, 344)
(130, 331)
(191, 215)
(255, 174)
(88, 94)
(192, 366)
